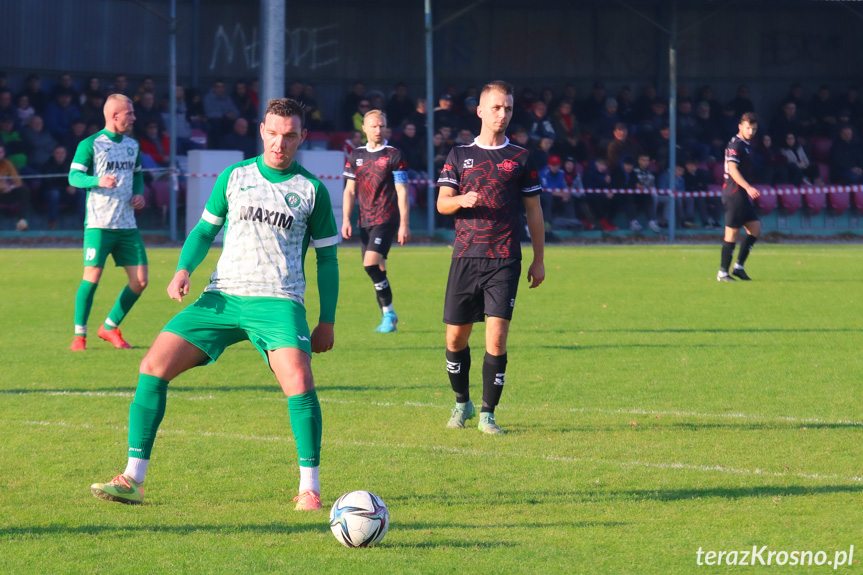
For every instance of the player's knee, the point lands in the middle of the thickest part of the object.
(151, 367)
(375, 272)
(297, 383)
(138, 285)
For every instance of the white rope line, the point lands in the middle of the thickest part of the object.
(765, 190)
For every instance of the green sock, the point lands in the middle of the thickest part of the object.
(124, 303)
(145, 414)
(83, 303)
(306, 423)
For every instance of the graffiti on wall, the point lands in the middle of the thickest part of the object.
(305, 48)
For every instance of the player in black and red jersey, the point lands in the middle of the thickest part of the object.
(377, 174)
(738, 196)
(483, 186)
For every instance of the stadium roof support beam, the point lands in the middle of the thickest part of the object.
(430, 101)
(272, 54)
(171, 19)
(673, 37)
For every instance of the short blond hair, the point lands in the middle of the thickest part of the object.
(378, 113)
(504, 88)
(117, 98)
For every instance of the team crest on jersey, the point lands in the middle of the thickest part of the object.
(293, 200)
(130, 151)
(382, 162)
(507, 165)
(468, 163)
(359, 162)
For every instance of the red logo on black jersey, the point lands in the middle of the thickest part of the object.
(381, 162)
(447, 167)
(533, 174)
(507, 165)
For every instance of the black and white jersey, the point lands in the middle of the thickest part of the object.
(738, 151)
(502, 176)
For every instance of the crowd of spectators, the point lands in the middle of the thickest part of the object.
(605, 140)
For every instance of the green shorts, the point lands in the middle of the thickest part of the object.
(126, 247)
(218, 320)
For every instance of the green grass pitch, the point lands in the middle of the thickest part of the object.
(650, 411)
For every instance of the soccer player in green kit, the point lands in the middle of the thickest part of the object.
(108, 166)
(271, 209)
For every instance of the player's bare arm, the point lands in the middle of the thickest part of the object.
(449, 201)
(536, 227)
(179, 285)
(735, 174)
(348, 201)
(404, 214)
(323, 338)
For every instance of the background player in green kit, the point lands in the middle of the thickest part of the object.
(108, 166)
(271, 209)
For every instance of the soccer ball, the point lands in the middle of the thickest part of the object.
(359, 519)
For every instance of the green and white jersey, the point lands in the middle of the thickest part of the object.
(270, 218)
(107, 153)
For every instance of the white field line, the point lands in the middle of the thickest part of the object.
(673, 413)
(101, 394)
(633, 411)
(474, 452)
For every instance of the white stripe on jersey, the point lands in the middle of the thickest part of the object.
(79, 167)
(325, 242)
(212, 219)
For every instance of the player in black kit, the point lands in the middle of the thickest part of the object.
(738, 196)
(377, 174)
(483, 186)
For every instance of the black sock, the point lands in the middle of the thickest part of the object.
(745, 248)
(493, 378)
(458, 367)
(382, 285)
(727, 254)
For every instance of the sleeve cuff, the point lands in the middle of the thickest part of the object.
(211, 219)
(324, 242)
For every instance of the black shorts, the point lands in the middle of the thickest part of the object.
(378, 238)
(739, 209)
(480, 287)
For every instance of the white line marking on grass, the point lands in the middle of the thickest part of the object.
(813, 420)
(621, 411)
(101, 394)
(474, 452)
(720, 415)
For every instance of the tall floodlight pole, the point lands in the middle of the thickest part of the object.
(172, 129)
(272, 54)
(672, 121)
(430, 117)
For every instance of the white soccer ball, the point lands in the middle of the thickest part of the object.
(359, 519)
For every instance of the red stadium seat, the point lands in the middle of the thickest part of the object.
(790, 202)
(317, 140)
(857, 200)
(821, 148)
(337, 139)
(815, 203)
(839, 202)
(824, 172)
(719, 172)
(766, 201)
(199, 137)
